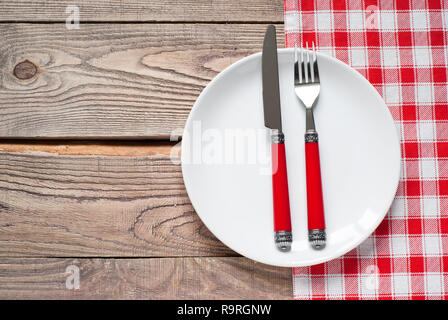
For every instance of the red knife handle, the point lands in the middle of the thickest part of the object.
(315, 203)
(282, 215)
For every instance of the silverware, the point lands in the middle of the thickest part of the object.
(273, 120)
(307, 89)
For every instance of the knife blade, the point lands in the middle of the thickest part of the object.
(272, 120)
(271, 88)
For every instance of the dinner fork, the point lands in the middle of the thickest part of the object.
(307, 89)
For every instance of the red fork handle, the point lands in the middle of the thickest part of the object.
(282, 214)
(315, 203)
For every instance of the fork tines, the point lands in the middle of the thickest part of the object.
(306, 65)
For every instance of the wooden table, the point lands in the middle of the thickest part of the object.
(86, 180)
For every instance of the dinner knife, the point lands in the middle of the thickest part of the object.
(273, 121)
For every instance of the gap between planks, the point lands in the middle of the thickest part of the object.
(149, 22)
(106, 148)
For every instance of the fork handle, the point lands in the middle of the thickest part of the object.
(282, 215)
(315, 203)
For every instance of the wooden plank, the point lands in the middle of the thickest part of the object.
(98, 206)
(112, 81)
(169, 278)
(144, 10)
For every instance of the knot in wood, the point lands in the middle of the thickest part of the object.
(25, 70)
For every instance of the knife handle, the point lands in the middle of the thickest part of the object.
(315, 203)
(282, 215)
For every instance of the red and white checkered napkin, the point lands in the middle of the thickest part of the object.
(401, 48)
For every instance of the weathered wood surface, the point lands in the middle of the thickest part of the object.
(168, 278)
(117, 211)
(144, 10)
(98, 206)
(112, 81)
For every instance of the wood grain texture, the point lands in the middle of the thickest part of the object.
(169, 278)
(113, 81)
(98, 206)
(144, 10)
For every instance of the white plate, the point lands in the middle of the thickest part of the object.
(232, 192)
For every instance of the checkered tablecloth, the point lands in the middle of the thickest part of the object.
(401, 48)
